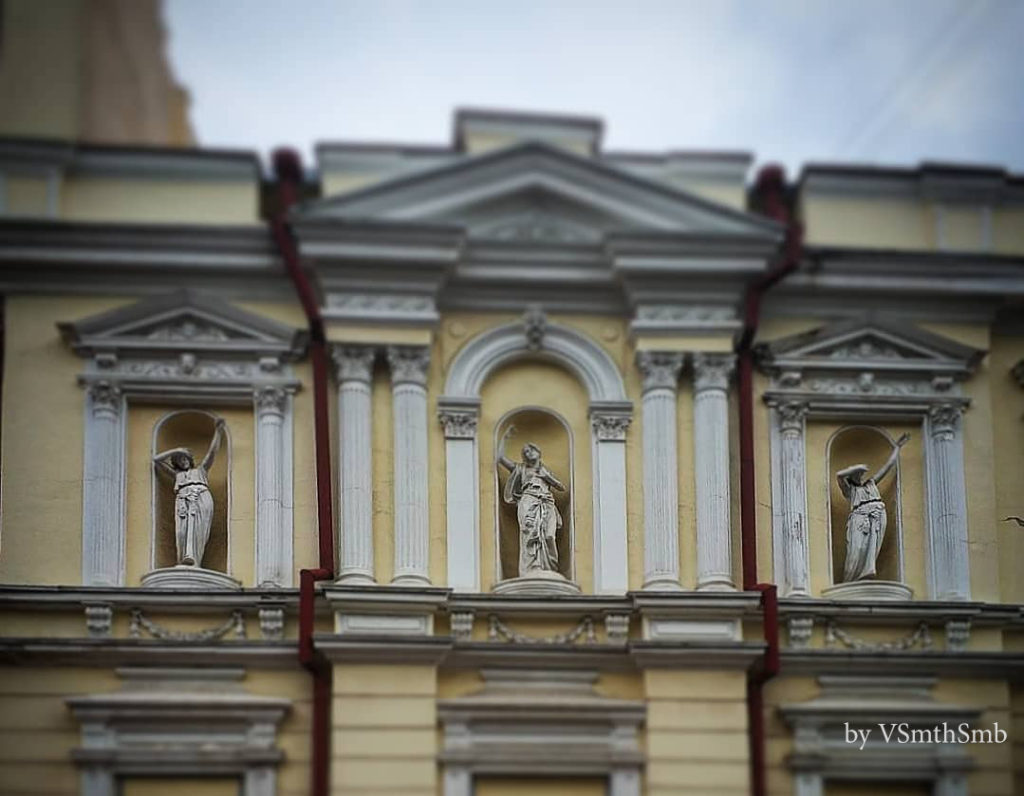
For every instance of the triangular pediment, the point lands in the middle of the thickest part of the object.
(182, 320)
(536, 192)
(870, 344)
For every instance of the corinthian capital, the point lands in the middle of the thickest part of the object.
(353, 363)
(944, 419)
(409, 364)
(660, 369)
(712, 371)
(270, 400)
(791, 416)
(105, 397)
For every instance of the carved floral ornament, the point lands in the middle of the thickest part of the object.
(610, 426)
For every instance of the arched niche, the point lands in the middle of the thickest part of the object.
(553, 435)
(869, 445)
(192, 429)
(536, 340)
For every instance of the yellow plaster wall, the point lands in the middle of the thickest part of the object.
(696, 734)
(185, 786)
(539, 786)
(23, 195)
(1007, 408)
(732, 195)
(43, 410)
(384, 729)
(160, 201)
(38, 732)
(879, 222)
(293, 733)
(962, 227)
(1008, 230)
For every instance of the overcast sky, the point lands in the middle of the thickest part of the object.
(882, 81)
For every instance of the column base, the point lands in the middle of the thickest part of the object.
(717, 584)
(663, 584)
(414, 581)
(539, 583)
(887, 590)
(355, 579)
(188, 577)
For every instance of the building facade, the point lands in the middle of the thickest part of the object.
(635, 488)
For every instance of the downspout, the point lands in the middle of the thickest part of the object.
(769, 191)
(288, 170)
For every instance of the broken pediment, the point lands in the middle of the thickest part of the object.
(182, 320)
(535, 192)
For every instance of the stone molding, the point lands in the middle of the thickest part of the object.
(124, 733)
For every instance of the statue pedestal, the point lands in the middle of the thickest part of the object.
(539, 583)
(873, 590)
(186, 577)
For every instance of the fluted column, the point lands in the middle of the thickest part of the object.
(273, 493)
(791, 514)
(354, 370)
(103, 512)
(711, 373)
(660, 372)
(409, 400)
(949, 565)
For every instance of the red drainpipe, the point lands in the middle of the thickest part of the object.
(769, 195)
(288, 169)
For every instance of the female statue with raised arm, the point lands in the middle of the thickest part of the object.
(193, 501)
(529, 488)
(865, 525)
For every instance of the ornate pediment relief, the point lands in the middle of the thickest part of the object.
(885, 345)
(868, 360)
(182, 321)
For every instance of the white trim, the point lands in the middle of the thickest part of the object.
(495, 347)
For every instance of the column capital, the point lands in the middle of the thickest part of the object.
(944, 419)
(353, 362)
(270, 399)
(458, 423)
(609, 426)
(660, 369)
(791, 416)
(409, 364)
(712, 371)
(106, 397)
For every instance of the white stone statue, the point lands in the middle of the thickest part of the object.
(193, 501)
(865, 526)
(529, 488)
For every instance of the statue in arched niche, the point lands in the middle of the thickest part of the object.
(193, 501)
(865, 525)
(529, 488)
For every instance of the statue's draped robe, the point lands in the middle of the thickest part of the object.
(527, 487)
(865, 528)
(193, 514)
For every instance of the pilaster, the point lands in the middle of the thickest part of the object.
(103, 489)
(273, 486)
(948, 562)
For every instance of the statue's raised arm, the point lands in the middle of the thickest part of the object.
(503, 460)
(218, 431)
(886, 468)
